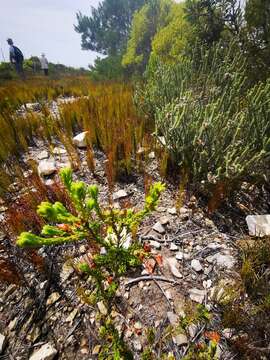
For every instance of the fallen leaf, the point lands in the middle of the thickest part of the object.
(159, 259)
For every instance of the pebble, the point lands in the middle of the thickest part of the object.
(196, 265)
(120, 194)
(164, 220)
(172, 211)
(197, 295)
(3, 342)
(173, 265)
(55, 296)
(46, 167)
(81, 140)
(155, 244)
(173, 247)
(159, 228)
(102, 308)
(180, 339)
(46, 352)
(173, 318)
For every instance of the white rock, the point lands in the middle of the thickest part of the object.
(180, 339)
(180, 255)
(196, 265)
(119, 195)
(151, 155)
(46, 352)
(173, 247)
(137, 345)
(173, 318)
(59, 151)
(155, 244)
(207, 284)
(173, 265)
(197, 295)
(224, 261)
(164, 220)
(46, 167)
(159, 228)
(3, 341)
(172, 211)
(53, 298)
(43, 155)
(81, 140)
(192, 330)
(102, 308)
(258, 225)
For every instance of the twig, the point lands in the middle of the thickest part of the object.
(164, 293)
(152, 278)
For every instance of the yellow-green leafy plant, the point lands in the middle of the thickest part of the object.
(106, 228)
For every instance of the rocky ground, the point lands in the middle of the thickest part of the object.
(195, 258)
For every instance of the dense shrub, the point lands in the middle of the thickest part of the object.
(215, 126)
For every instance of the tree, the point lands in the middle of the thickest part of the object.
(170, 42)
(257, 16)
(106, 30)
(214, 19)
(146, 22)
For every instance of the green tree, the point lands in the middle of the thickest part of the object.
(257, 16)
(152, 17)
(170, 42)
(109, 68)
(213, 20)
(106, 30)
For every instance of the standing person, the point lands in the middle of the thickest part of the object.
(44, 64)
(16, 57)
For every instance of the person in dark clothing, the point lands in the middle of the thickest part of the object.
(16, 58)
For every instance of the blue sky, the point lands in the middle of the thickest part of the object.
(38, 26)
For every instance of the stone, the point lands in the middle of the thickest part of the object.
(96, 350)
(192, 330)
(72, 316)
(207, 284)
(172, 211)
(180, 256)
(43, 155)
(137, 345)
(138, 325)
(155, 244)
(196, 265)
(53, 298)
(46, 352)
(3, 342)
(46, 167)
(197, 295)
(152, 155)
(66, 272)
(59, 151)
(159, 228)
(141, 150)
(173, 318)
(173, 247)
(224, 261)
(152, 235)
(173, 265)
(258, 225)
(80, 140)
(102, 308)
(180, 339)
(228, 333)
(119, 195)
(164, 220)
(33, 106)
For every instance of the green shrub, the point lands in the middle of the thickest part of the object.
(215, 127)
